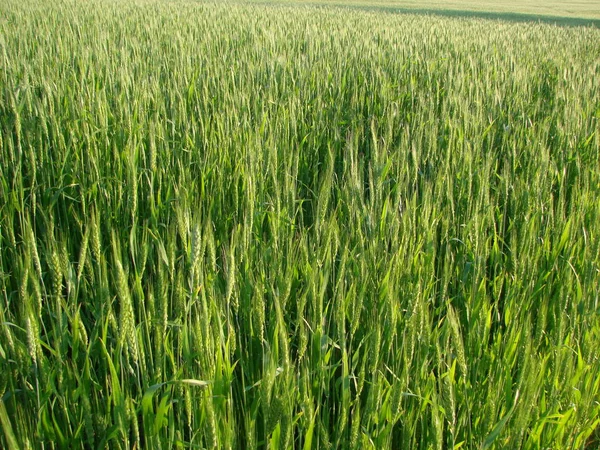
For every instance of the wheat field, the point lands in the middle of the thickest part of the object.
(233, 225)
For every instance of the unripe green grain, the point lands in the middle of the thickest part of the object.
(132, 416)
(172, 253)
(83, 253)
(258, 307)
(32, 345)
(133, 195)
(56, 273)
(88, 420)
(127, 335)
(66, 268)
(96, 237)
(197, 247)
(37, 292)
(230, 280)
(457, 340)
(430, 150)
(81, 330)
(152, 149)
(23, 287)
(188, 409)
(210, 242)
(355, 428)
(31, 243)
(211, 423)
(32, 169)
(17, 128)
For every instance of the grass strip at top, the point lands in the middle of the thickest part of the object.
(554, 13)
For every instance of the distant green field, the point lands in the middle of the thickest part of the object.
(278, 226)
(586, 9)
(586, 13)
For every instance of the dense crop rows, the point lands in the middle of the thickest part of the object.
(238, 226)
